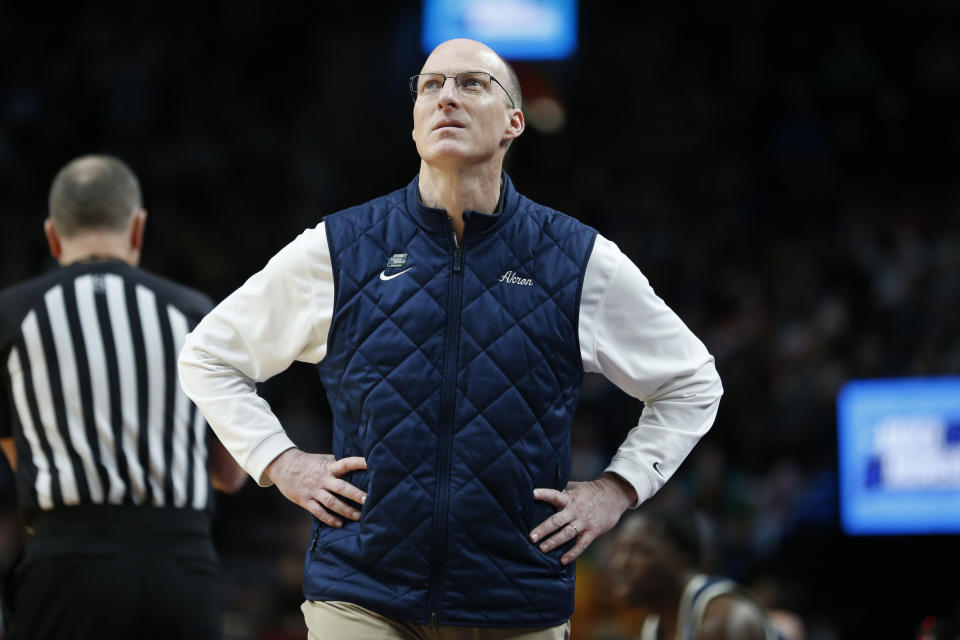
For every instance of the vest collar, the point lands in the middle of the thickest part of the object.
(435, 221)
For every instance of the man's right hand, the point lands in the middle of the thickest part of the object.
(312, 480)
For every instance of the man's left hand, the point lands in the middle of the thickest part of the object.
(585, 510)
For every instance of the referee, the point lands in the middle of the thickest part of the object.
(111, 458)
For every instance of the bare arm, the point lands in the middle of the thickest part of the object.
(225, 474)
(10, 451)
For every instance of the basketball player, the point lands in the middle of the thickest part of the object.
(654, 565)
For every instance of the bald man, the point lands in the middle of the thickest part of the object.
(451, 323)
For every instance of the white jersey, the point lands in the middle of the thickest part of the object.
(697, 594)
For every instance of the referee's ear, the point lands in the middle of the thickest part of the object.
(137, 225)
(53, 240)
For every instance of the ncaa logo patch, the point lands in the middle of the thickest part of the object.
(397, 260)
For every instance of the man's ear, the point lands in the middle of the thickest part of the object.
(53, 239)
(137, 226)
(515, 125)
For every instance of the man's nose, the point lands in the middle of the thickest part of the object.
(449, 93)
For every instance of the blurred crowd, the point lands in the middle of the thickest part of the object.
(783, 174)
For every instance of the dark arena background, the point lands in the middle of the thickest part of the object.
(785, 174)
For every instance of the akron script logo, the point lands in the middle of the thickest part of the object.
(510, 277)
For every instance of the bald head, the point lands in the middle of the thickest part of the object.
(467, 51)
(94, 193)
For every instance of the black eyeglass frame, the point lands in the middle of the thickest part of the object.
(413, 83)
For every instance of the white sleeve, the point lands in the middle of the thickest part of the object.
(631, 336)
(279, 315)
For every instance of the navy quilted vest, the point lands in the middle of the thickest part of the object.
(456, 373)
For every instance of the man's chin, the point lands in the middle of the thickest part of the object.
(453, 159)
(447, 151)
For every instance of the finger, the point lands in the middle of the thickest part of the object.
(346, 465)
(347, 490)
(551, 524)
(585, 539)
(322, 514)
(330, 501)
(556, 498)
(566, 533)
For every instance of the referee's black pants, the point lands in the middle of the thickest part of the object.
(116, 574)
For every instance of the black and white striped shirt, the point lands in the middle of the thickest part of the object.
(88, 358)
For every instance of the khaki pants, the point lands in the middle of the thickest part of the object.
(345, 621)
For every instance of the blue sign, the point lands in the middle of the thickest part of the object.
(516, 29)
(899, 448)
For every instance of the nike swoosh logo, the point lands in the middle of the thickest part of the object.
(384, 276)
(656, 467)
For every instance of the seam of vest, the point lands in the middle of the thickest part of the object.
(581, 266)
(337, 289)
(576, 305)
(441, 552)
(335, 257)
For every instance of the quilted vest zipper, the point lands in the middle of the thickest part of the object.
(445, 444)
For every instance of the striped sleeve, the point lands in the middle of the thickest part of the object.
(7, 337)
(6, 409)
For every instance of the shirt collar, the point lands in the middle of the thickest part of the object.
(436, 221)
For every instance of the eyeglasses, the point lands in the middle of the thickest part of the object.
(469, 83)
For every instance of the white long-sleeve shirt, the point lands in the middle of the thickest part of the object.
(283, 313)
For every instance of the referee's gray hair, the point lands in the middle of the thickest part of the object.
(94, 192)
